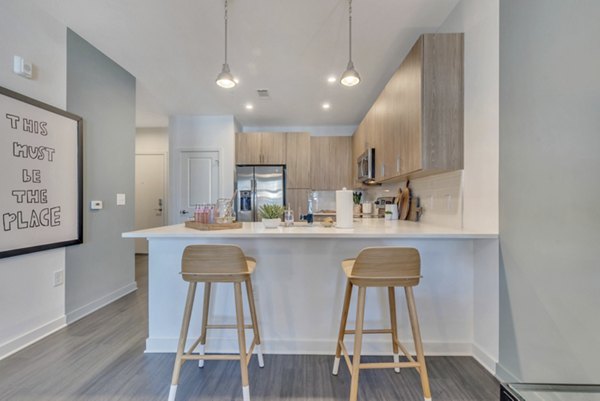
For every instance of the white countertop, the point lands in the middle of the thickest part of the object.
(363, 228)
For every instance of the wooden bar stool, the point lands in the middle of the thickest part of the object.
(382, 267)
(217, 264)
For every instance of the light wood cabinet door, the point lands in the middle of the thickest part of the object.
(272, 147)
(247, 148)
(260, 148)
(298, 201)
(297, 159)
(331, 162)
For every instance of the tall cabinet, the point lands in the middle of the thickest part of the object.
(416, 123)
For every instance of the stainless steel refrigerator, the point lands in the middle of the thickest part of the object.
(257, 186)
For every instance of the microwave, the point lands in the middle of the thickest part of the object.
(366, 166)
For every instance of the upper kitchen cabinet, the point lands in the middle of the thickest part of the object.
(260, 148)
(297, 159)
(330, 162)
(416, 123)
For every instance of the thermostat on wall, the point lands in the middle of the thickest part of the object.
(22, 68)
(96, 205)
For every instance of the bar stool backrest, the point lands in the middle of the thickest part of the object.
(200, 261)
(402, 265)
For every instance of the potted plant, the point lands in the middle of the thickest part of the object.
(271, 215)
(356, 196)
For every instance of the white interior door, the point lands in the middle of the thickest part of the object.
(150, 178)
(199, 181)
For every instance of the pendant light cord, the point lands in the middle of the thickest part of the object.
(350, 29)
(225, 31)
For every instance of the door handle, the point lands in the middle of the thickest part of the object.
(183, 212)
(160, 210)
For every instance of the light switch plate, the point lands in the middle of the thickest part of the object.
(96, 204)
(120, 199)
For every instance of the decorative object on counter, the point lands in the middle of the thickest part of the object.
(367, 207)
(391, 212)
(357, 208)
(327, 222)
(404, 202)
(288, 217)
(214, 226)
(271, 215)
(224, 210)
(205, 213)
(416, 211)
(350, 77)
(225, 79)
(344, 208)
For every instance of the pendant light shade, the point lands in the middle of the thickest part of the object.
(225, 79)
(350, 77)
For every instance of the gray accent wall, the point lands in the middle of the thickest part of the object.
(102, 268)
(550, 191)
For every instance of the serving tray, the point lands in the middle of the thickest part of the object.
(211, 227)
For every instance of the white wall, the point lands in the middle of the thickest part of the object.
(200, 133)
(478, 19)
(30, 306)
(152, 140)
(549, 210)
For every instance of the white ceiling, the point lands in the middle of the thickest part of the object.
(175, 50)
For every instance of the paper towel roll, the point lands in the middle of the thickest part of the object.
(343, 208)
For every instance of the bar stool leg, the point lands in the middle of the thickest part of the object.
(414, 323)
(185, 325)
(250, 292)
(394, 323)
(239, 312)
(338, 349)
(207, 287)
(360, 316)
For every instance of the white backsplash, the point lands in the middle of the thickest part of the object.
(441, 197)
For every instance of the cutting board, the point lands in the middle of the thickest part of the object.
(415, 211)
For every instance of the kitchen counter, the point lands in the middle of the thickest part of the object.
(299, 287)
(363, 228)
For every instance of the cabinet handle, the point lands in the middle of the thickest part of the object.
(382, 170)
(398, 164)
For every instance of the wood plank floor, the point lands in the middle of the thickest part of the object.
(100, 357)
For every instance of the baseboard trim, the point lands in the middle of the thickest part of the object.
(504, 375)
(100, 302)
(17, 344)
(484, 359)
(306, 347)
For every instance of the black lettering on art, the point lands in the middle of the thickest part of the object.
(30, 195)
(33, 152)
(43, 130)
(14, 120)
(28, 125)
(46, 217)
(34, 176)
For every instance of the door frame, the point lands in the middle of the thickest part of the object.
(176, 181)
(166, 180)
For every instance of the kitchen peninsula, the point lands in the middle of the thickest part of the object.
(299, 285)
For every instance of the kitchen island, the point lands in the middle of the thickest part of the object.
(299, 287)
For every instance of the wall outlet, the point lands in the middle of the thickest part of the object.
(59, 277)
(96, 205)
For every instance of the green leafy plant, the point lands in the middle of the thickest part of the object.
(356, 196)
(271, 211)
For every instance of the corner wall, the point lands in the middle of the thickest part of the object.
(30, 306)
(102, 268)
(549, 191)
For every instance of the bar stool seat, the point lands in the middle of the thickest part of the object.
(217, 264)
(382, 267)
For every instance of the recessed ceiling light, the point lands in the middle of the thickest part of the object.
(326, 106)
(249, 106)
(331, 79)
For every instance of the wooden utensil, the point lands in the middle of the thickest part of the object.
(405, 203)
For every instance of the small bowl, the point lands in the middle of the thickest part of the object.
(327, 223)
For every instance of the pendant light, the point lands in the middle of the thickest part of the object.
(350, 77)
(225, 79)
